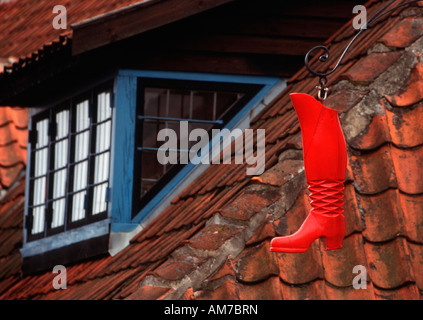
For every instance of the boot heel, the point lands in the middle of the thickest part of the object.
(332, 243)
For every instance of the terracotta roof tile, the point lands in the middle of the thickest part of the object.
(371, 66)
(416, 258)
(404, 33)
(353, 219)
(408, 164)
(311, 291)
(10, 265)
(412, 92)
(10, 210)
(292, 220)
(378, 165)
(176, 268)
(269, 289)
(149, 293)
(213, 237)
(344, 99)
(404, 127)
(13, 144)
(349, 293)
(407, 292)
(412, 208)
(227, 291)
(389, 264)
(301, 268)
(281, 173)
(256, 263)
(265, 231)
(249, 203)
(338, 264)
(227, 269)
(10, 239)
(376, 134)
(382, 215)
(19, 17)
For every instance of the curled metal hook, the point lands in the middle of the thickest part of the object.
(325, 56)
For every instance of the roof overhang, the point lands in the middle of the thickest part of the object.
(134, 19)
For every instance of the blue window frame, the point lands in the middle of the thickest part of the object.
(128, 211)
(110, 200)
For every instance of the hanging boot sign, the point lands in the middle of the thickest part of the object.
(325, 159)
(325, 163)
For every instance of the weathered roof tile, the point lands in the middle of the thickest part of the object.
(412, 92)
(338, 265)
(378, 165)
(269, 289)
(404, 33)
(371, 66)
(256, 263)
(382, 215)
(389, 264)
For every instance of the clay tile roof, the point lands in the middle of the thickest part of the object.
(19, 18)
(13, 144)
(213, 241)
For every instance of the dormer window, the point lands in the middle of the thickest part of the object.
(93, 172)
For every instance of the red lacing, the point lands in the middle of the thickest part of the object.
(327, 196)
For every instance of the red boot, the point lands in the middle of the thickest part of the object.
(325, 162)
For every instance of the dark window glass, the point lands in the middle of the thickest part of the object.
(165, 104)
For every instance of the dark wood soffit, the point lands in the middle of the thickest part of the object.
(135, 19)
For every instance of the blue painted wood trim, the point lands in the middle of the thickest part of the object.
(200, 76)
(124, 146)
(268, 83)
(123, 227)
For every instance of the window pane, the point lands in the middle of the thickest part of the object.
(62, 120)
(78, 206)
(58, 213)
(203, 105)
(101, 171)
(103, 106)
(199, 103)
(225, 100)
(195, 125)
(150, 129)
(151, 170)
(154, 100)
(42, 133)
(82, 116)
(39, 191)
(61, 154)
(179, 104)
(99, 199)
(41, 162)
(59, 184)
(38, 219)
(103, 136)
(81, 146)
(80, 176)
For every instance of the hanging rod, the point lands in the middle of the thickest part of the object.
(325, 56)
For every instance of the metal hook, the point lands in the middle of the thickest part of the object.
(325, 56)
(322, 91)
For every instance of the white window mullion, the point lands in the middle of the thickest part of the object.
(40, 181)
(101, 161)
(60, 164)
(80, 173)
